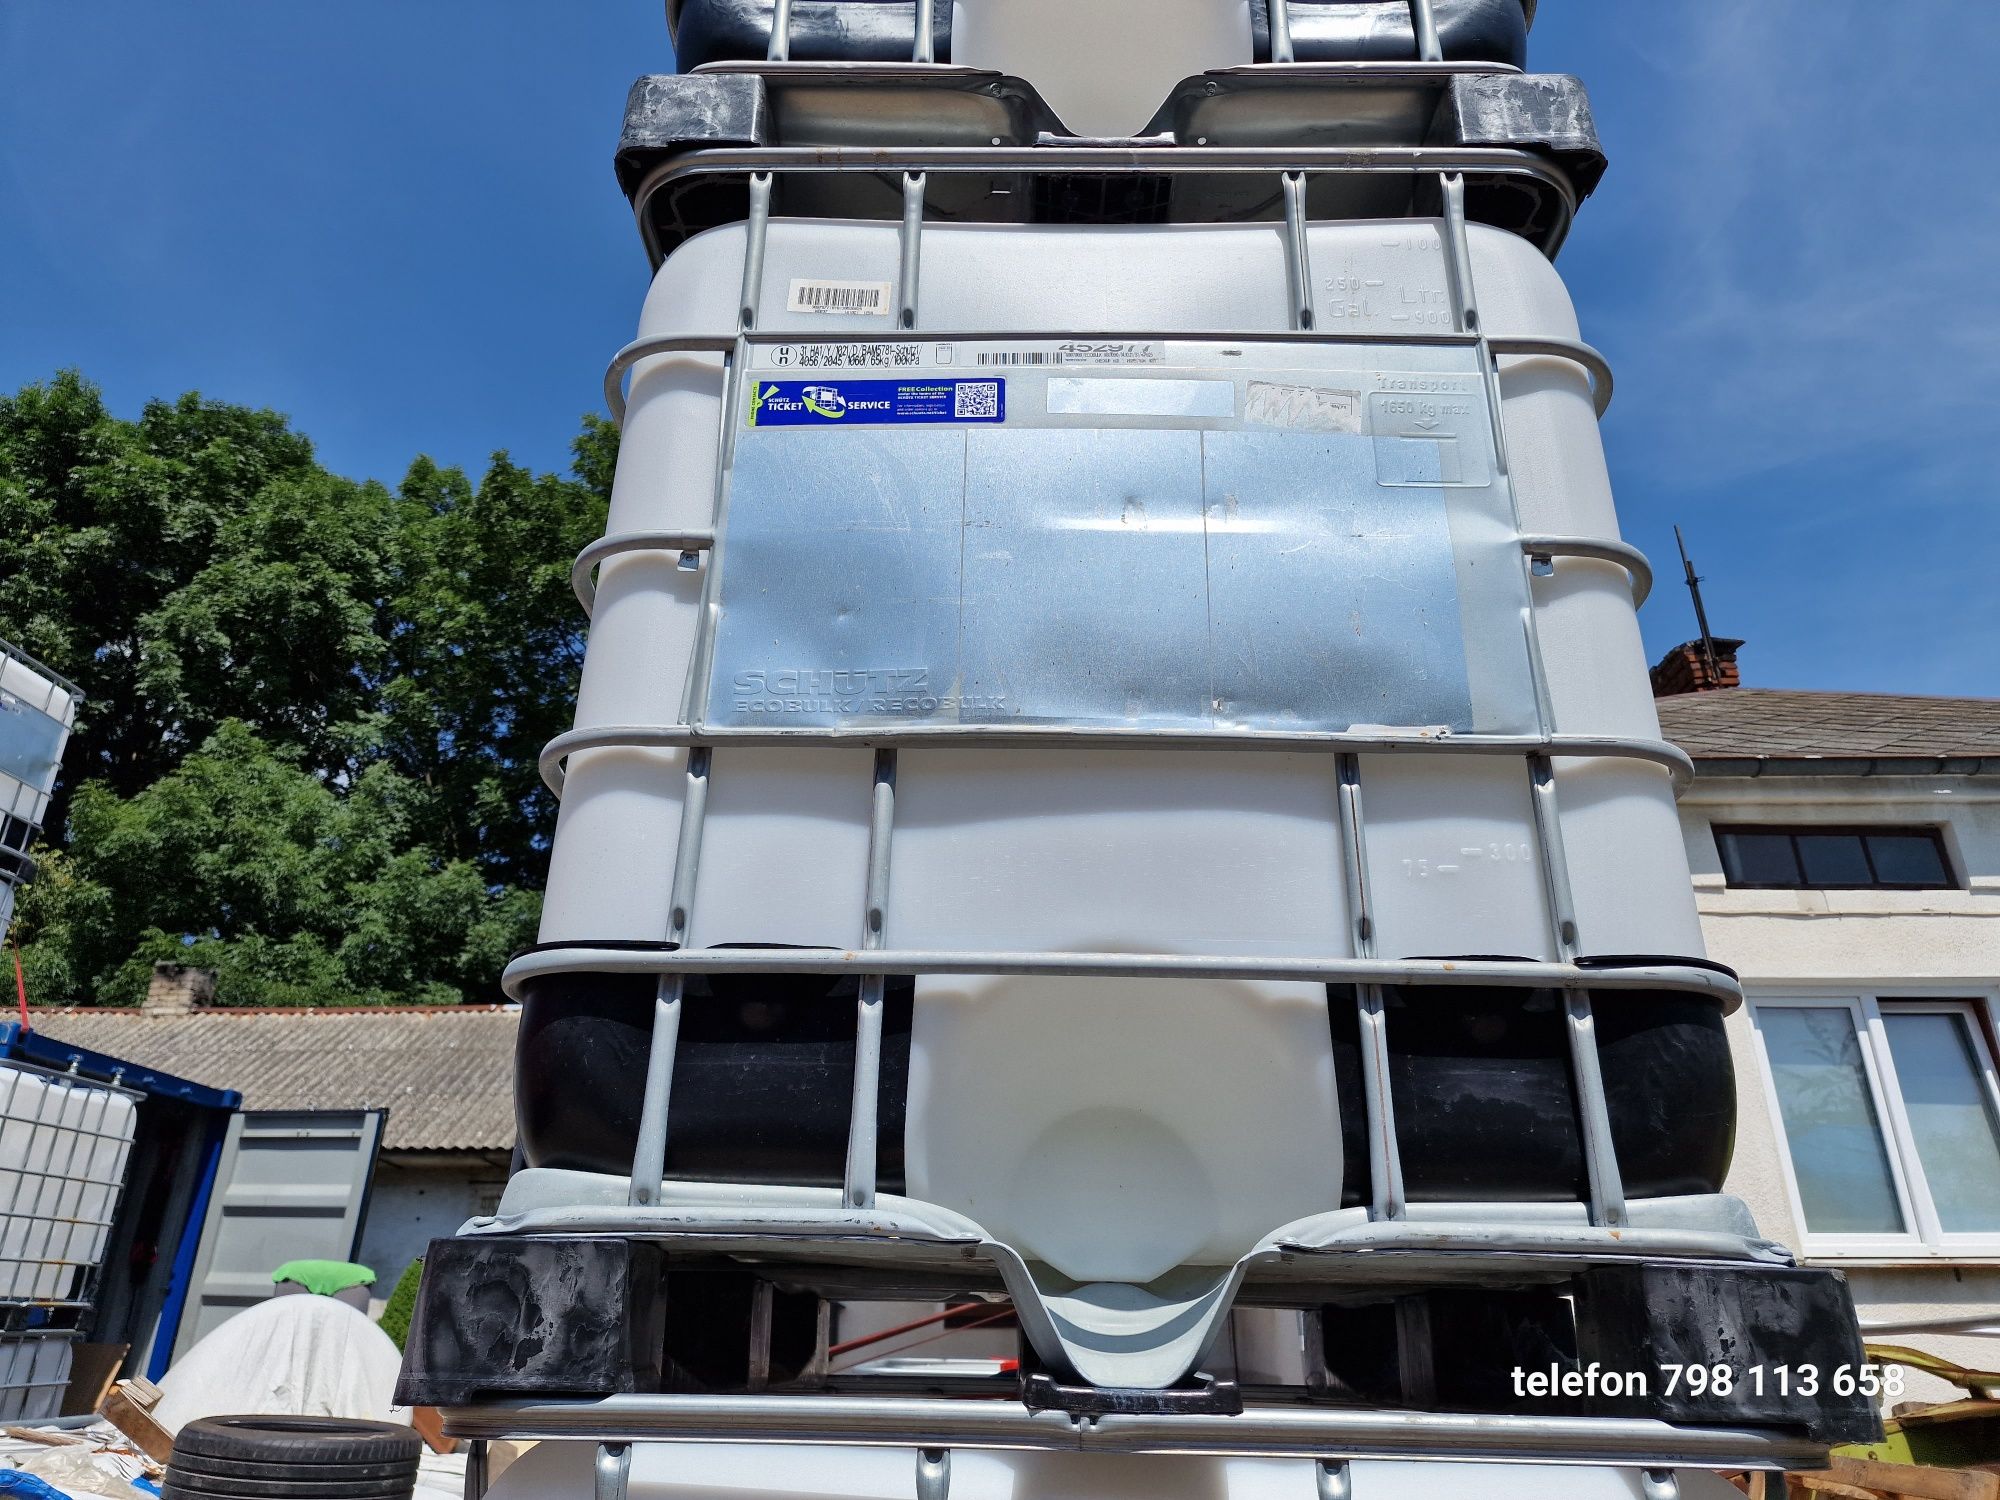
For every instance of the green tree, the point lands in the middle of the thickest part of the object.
(293, 891)
(307, 759)
(488, 644)
(103, 523)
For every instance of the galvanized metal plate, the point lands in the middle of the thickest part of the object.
(1244, 537)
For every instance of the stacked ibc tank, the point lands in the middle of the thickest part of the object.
(37, 708)
(64, 1140)
(1114, 774)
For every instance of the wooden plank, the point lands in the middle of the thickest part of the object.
(128, 1407)
(1849, 1476)
(92, 1369)
(429, 1423)
(48, 1437)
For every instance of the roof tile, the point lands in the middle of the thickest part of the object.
(445, 1074)
(1779, 723)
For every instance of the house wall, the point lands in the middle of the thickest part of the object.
(1890, 942)
(416, 1199)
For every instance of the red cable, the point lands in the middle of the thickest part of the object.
(21, 986)
(1008, 1365)
(888, 1333)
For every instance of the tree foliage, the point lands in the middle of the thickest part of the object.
(307, 758)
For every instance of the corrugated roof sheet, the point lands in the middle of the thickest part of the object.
(445, 1074)
(1781, 724)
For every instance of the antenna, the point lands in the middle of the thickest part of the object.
(1700, 613)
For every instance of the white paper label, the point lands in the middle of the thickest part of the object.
(1303, 408)
(870, 298)
(1097, 396)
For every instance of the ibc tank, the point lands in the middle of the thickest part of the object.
(1154, 530)
(37, 708)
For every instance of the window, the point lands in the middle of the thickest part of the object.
(1809, 858)
(1889, 1111)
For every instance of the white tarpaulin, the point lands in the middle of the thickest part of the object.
(290, 1356)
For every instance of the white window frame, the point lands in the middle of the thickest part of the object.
(1924, 1238)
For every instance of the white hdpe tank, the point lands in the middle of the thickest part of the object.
(64, 1143)
(1015, 1082)
(1064, 44)
(36, 710)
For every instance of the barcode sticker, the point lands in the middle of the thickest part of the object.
(1076, 352)
(865, 297)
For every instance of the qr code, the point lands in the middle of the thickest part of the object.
(976, 398)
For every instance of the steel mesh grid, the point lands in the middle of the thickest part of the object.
(64, 1143)
(34, 1374)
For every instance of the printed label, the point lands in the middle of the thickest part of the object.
(1100, 396)
(904, 356)
(866, 297)
(1303, 408)
(850, 692)
(864, 403)
(1076, 352)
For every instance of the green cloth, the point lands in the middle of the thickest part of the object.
(324, 1278)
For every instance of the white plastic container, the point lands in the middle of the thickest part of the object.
(36, 710)
(64, 1143)
(34, 1375)
(1062, 47)
(1030, 1096)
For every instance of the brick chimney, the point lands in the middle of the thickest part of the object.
(1685, 669)
(176, 988)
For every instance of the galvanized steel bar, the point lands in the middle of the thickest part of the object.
(694, 692)
(780, 47)
(759, 226)
(1423, 23)
(1298, 253)
(612, 1471)
(1600, 1156)
(912, 250)
(1593, 363)
(933, 1474)
(686, 543)
(924, 47)
(1606, 1186)
(862, 1142)
(1385, 1160)
(638, 349)
(582, 958)
(1465, 307)
(649, 1152)
(1281, 32)
(1545, 549)
(1555, 863)
(1569, 349)
(1670, 758)
(1484, 161)
(1259, 1431)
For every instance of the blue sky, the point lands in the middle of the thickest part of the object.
(397, 222)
